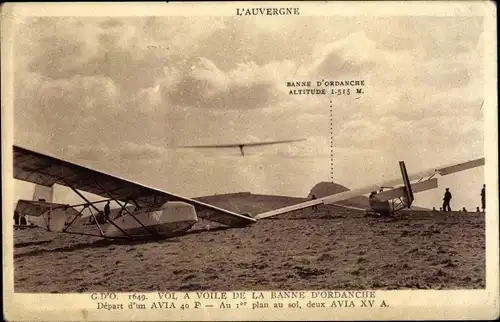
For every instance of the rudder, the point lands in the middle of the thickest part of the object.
(43, 193)
(408, 198)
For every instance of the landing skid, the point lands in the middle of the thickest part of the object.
(22, 227)
(372, 214)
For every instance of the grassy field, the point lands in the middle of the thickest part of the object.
(332, 248)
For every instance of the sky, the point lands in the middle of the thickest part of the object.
(121, 94)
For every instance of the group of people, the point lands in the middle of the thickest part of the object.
(19, 220)
(447, 199)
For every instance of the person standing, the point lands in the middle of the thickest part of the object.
(315, 207)
(17, 218)
(483, 197)
(106, 210)
(446, 200)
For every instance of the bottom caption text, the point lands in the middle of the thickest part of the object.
(306, 300)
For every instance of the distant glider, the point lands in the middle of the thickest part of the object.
(241, 145)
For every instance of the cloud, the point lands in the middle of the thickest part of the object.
(58, 47)
(346, 57)
(426, 37)
(246, 86)
(131, 150)
(47, 107)
(126, 50)
(121, 151)
(413, 107)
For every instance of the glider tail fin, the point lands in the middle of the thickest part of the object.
(408, 198)
(41, 218)
(43, 193)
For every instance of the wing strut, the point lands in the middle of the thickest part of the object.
(98, 211)
(74, 218)
(128, 211)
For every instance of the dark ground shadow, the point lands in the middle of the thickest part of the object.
(108, 242)
(33, 243)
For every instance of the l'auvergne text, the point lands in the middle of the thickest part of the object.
(267, 11)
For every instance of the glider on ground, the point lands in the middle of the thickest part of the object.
(156, 212)
(400, 195)
(146, 211)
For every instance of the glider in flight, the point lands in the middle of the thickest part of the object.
(149, 212)
(240, 145)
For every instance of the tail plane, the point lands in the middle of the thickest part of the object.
(40, 210)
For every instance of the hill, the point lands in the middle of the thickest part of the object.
(246, 202)
(324, 189)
